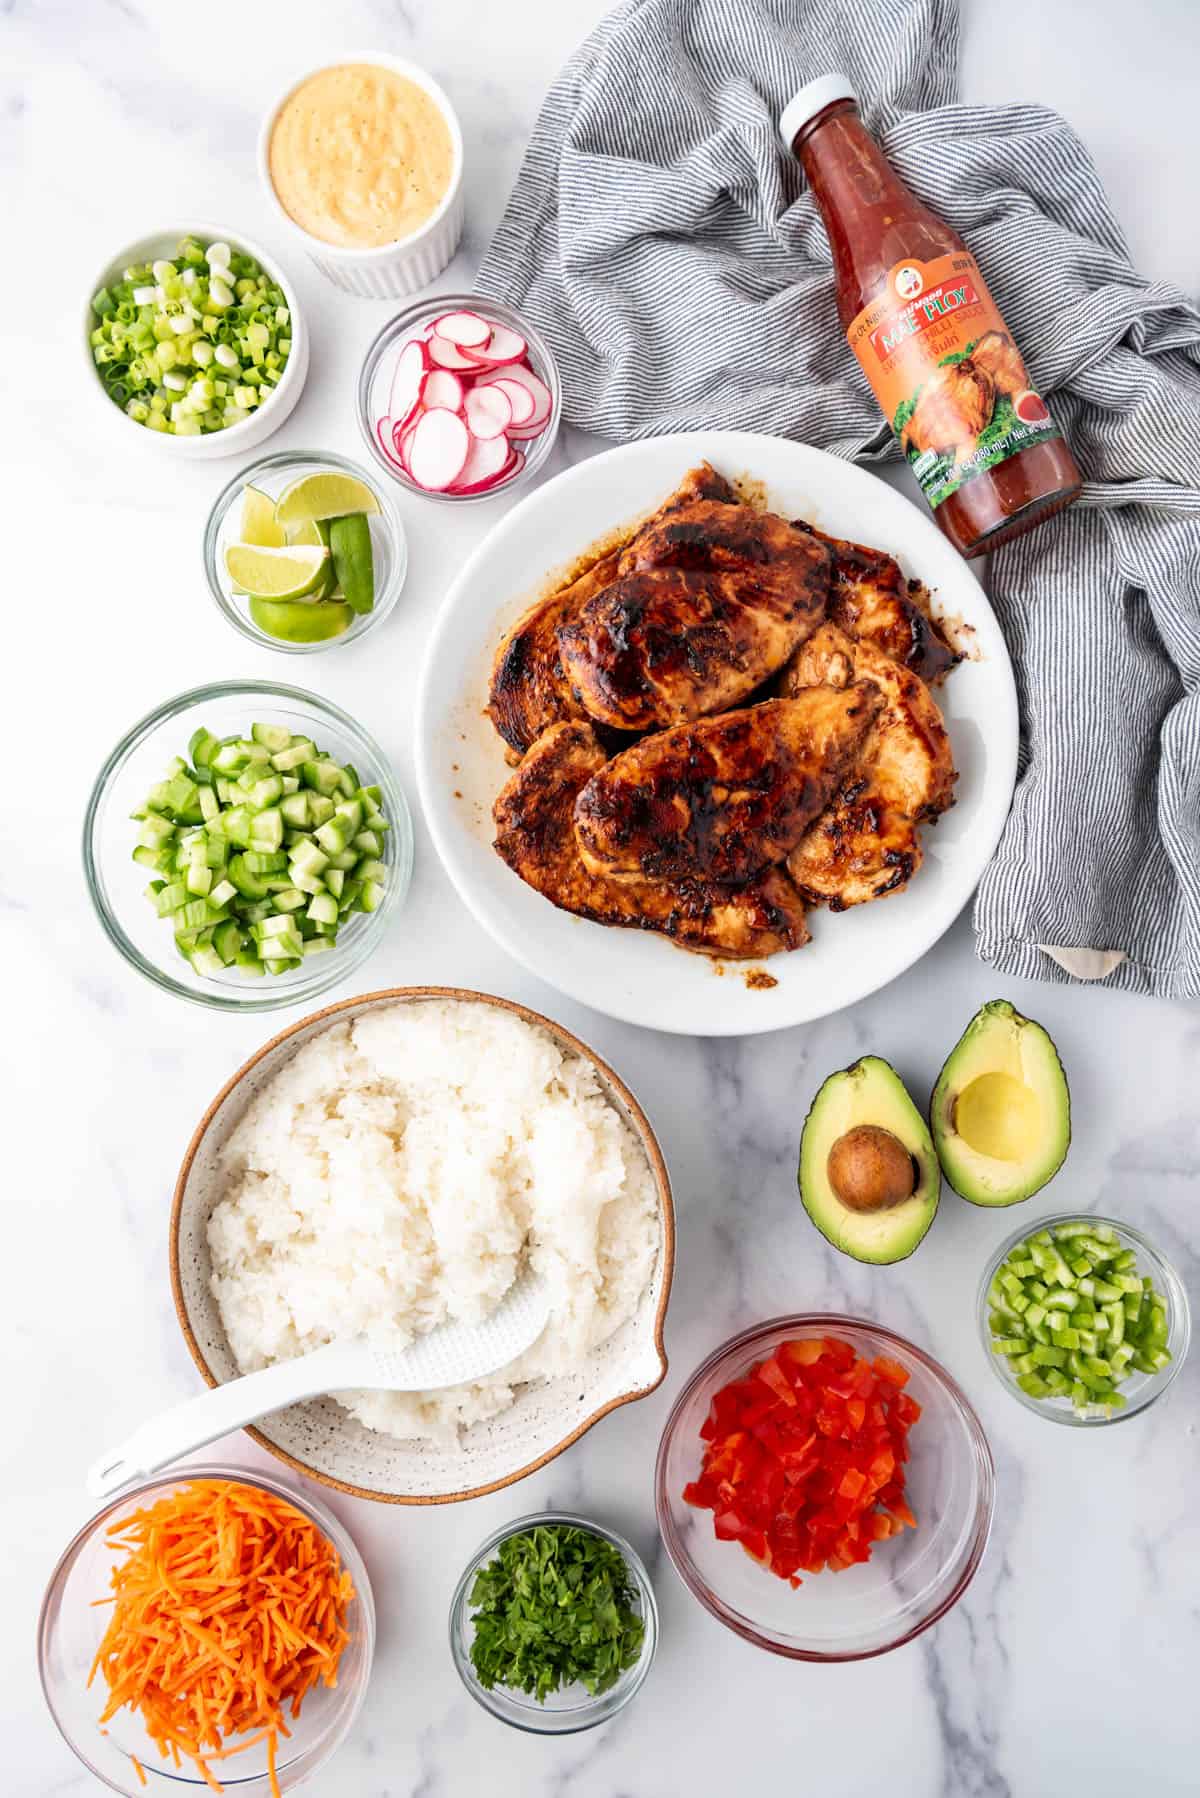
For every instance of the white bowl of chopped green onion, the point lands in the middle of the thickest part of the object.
(193, 338)
(1083, 1319)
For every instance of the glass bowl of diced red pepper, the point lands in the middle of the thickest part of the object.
(824, 1488)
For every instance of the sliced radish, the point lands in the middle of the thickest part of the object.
(466, 329)
(384, 430)
(407, 376)
(448, 355)
(488, 411)
(503, 346)
(438, 450)
(523, 433)
(488, 457)
(402, 438)
(516, 397)
(441, 387)
(524, 377)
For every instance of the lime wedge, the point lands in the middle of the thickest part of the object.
(259, 525)
(303, 623)
(307, 531)
(287, 573)
(326, 494)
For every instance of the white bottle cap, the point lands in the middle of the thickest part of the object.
(813, 98)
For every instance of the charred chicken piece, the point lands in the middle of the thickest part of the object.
(997, 355)
(529, 689)
(722, 798)
(535, 835)
(952, 408)
(867, 841)
(710, 603)
(871, 601)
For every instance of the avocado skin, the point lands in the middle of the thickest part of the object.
(876, 1095)
(956, 1163)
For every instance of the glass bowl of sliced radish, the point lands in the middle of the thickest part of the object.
(459, 398)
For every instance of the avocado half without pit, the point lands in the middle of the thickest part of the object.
(869, 1178)
(1001, 1111)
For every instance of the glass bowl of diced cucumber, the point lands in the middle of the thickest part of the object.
(1083, 1319)
(338, 609)
(246, 844)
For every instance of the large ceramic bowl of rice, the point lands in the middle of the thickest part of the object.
(392, 1163)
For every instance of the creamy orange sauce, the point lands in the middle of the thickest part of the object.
(360, 156)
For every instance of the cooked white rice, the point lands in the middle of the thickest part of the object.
(390, 1177)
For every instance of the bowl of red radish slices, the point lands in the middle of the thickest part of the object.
(458, 398)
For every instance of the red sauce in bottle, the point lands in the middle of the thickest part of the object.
(917, 314)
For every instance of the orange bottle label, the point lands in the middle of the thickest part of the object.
(947, 375)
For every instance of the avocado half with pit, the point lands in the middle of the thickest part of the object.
(869, 1178)
(1001, 1111)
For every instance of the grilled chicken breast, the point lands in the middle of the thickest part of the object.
(529, 689)
(867, 841)
(722, 798)
(711, 601)
(871, 601)
(535, 834)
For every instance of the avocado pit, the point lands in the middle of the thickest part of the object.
(869, 1169)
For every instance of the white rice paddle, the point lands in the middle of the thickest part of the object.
(449, 1356)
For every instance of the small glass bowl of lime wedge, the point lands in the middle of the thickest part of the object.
(304, 551)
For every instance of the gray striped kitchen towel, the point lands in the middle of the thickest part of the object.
(662, 239)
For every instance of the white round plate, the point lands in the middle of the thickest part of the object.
(633, 974)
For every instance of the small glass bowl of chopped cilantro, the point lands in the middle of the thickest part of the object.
(246, 845)
(553, 1625)
(194, 340)
(1083, 1319)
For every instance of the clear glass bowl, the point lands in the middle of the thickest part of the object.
(573, 1709)
(389, 545)
(117, 884)
(1140, 1389)
(71, 1625)
(910, 1581)
(375, 380)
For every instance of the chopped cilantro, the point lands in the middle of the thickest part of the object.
(555, 1605)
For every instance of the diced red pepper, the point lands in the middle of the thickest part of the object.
(804, 1458)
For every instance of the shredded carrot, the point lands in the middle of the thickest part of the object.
(139, 1769)
(228, 1607)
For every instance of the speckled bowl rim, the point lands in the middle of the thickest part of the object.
(662, 1184)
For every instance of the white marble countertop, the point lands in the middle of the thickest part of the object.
(1071, 1663)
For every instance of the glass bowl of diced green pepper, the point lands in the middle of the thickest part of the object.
(245, 845)
(1083, 1319)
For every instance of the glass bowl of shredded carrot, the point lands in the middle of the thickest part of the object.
(211, 1626)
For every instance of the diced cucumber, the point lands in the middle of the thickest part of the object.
(309, 856)
(323, 775)
(261, 844)
(299, 751)
(275, 738)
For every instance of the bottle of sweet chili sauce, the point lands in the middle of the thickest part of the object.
(950, 380)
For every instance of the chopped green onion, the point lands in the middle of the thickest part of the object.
(157, 321)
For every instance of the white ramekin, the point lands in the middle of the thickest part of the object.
(264, 419)
(391, 270)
